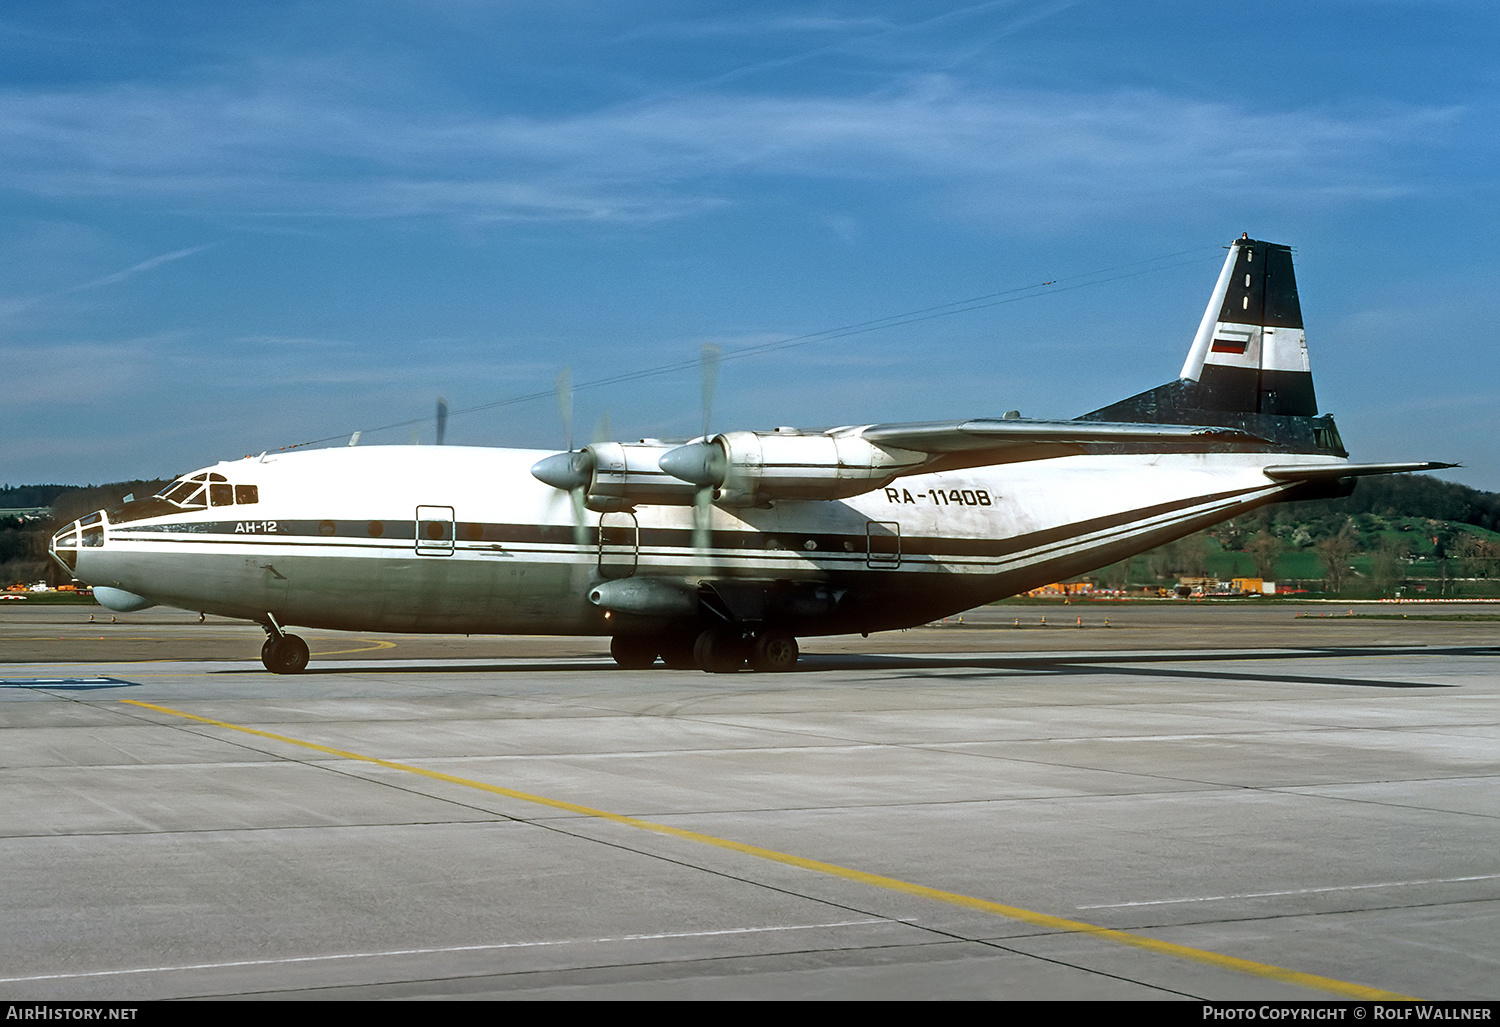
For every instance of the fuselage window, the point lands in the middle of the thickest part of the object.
(377, 528)
(246, 494)
(221, 495)
(327, 528)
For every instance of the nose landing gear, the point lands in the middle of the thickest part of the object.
(282, 653)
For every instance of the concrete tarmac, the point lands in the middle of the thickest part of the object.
(1221, 802)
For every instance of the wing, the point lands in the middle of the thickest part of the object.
(745, 468)
(1003, 436)
(753, 468)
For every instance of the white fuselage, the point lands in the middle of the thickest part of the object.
(454, 539)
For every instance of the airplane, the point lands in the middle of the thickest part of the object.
(721, 551)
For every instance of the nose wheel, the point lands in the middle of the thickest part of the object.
(284, 654)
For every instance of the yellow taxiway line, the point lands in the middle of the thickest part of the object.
(1266, 971)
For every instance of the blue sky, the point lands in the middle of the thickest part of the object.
(232, 228)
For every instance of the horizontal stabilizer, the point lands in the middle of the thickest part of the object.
(1325, 472)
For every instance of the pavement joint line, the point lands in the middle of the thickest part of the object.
(1296, 891)
(1252, 968)
(447, 950)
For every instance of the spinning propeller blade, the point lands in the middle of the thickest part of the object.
(564, 389)
(703, 499)
(574, 468)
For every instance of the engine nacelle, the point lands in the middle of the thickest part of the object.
(748, 468)
(616, 475)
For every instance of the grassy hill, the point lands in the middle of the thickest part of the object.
(1408, 535)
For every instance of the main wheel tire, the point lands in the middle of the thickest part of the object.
(719, 652)
(285, 655)
(774, 651)
(633, 652)
(677, 652)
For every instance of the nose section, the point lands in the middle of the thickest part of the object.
(64, 547)
(86, 532)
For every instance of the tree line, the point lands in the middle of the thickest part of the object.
(1392, 531)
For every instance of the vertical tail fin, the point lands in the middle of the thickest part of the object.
(1250, 353)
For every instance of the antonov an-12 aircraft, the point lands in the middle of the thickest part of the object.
(722, 550)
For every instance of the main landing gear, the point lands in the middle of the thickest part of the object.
(283, 653)
(721, 650)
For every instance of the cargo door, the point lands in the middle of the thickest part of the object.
(882, 544)
(619, 544)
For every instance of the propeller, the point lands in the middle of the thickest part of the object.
(564, 389)
(569, 472)
(709, 363)
(703, 499)
(442, 420)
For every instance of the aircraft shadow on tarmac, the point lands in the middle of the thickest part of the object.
(979, 664)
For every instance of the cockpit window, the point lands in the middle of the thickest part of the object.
(185, 493)
(207, 489)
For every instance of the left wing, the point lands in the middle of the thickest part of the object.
(1000, 434)
(748, 468)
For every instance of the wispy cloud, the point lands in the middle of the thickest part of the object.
(1009, 152)
(78, 374)
(18, 304)
(135, 269)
